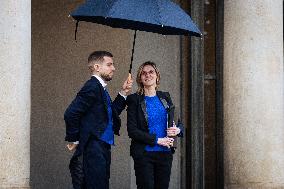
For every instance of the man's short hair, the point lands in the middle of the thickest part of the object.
(98, 56)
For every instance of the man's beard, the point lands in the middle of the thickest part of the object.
(106, 77)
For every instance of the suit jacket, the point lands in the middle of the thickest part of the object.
(137, 121)
(87, 114)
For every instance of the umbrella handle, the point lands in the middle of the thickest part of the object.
(132, 52)
(129, 77)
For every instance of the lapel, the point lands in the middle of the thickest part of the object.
(165, 103)
(102, 92)
(163, 100)
(168, 106)
(143, 106)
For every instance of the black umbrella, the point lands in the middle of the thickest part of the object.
(157, 16)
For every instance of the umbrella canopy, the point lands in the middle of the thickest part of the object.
(157, 16)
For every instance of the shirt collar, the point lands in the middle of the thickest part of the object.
(103, 83)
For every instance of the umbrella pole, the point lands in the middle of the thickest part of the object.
(133, 47)
(76, 30)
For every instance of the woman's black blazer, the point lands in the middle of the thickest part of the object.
(137, 121)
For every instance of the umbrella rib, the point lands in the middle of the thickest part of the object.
(107, 4)
(111, 7)
(159, 12)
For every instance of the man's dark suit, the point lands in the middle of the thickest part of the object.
(86, 119)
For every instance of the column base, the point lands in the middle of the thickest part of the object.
(255, 186)
(12, 187)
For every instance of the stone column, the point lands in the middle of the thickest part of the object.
(253, 94)
(15, 79)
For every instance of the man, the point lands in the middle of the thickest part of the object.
(91, 120)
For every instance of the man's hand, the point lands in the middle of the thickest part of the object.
(167, 142)
(71, 146)
(127, 86)
(173, 131)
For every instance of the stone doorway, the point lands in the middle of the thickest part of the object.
(204, 155)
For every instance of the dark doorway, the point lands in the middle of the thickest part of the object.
(204, 144)
(213, 158)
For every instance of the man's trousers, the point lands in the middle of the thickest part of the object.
(91, 169)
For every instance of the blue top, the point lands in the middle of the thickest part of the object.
(108, 135)
(157, 122)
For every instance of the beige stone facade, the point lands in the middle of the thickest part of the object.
(42, 68)
(253, 94)
(15, 105)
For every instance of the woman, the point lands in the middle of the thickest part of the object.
(148, 113)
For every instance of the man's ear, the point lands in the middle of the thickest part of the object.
(96, 67)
